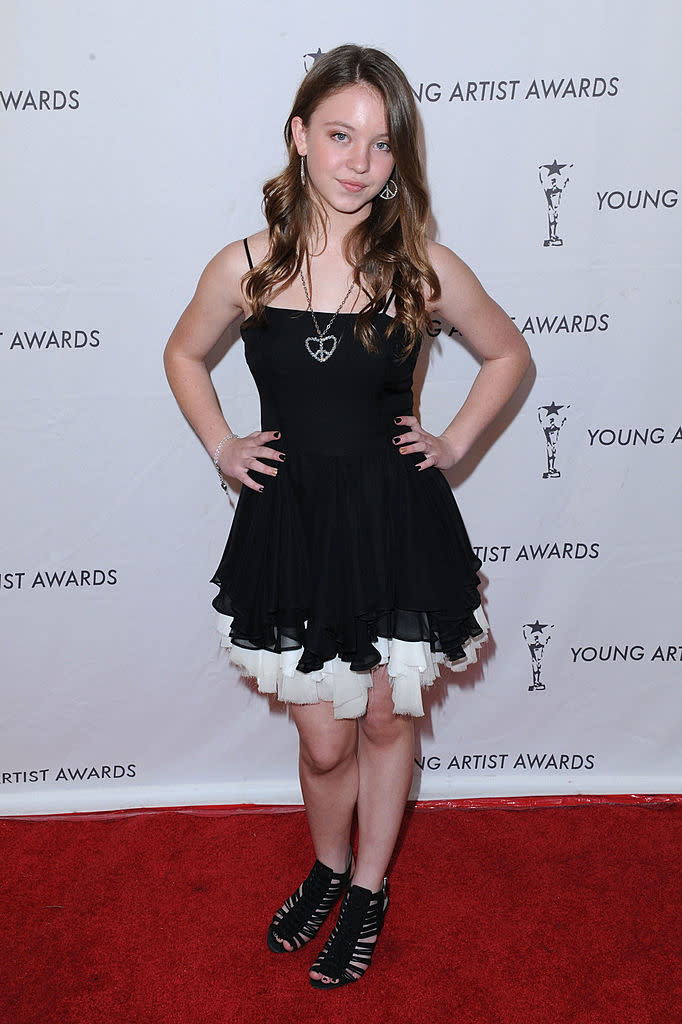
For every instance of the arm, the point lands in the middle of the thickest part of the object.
(217, 302)
(494, 337)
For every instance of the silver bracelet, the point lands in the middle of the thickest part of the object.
(228, 437)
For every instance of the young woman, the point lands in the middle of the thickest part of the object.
(348, 574)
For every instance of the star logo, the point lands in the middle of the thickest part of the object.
(538, 627)
(553, 409)
(554, 168)
(310, 58)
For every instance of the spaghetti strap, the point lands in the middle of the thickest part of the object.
(389, 300)
(248, 254)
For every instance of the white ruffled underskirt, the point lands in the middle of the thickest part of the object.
(411, 666)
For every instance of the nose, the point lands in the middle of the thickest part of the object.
(358, 159)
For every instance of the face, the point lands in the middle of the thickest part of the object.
(345, 143)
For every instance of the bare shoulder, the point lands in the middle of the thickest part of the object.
(259, 245)
(217, 302)
(459, 285)
(221, 281)
(442, 258)
(465, 303)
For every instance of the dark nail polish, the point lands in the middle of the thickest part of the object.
(277, 434)
(282, 457)
(396, 439)
(398, 419)
(261, 488)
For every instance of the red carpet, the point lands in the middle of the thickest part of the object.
(542, 916)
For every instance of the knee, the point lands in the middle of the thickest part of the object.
(321, 758)
(382, 727)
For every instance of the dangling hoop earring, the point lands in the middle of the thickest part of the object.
(390, 190)
(303, 171)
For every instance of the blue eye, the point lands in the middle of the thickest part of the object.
(385, 147)
(336, 135)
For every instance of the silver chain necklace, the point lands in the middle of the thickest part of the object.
(321, 354)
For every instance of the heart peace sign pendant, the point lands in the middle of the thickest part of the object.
(321, 354)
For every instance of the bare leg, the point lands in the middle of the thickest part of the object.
(328, 770)
(386, 762)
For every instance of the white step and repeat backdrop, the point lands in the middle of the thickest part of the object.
(135, 141)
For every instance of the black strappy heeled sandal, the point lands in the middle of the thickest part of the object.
(300, 918)
(347, 954)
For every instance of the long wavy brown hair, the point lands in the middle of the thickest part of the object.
(388, 248)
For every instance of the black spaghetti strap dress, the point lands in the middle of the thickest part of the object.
(350, 557)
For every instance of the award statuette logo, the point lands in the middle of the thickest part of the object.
(554, 179)
(551, 423)
(537, 637)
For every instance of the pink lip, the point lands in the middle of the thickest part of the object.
(352, 186)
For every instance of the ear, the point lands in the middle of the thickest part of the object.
(298, 132)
